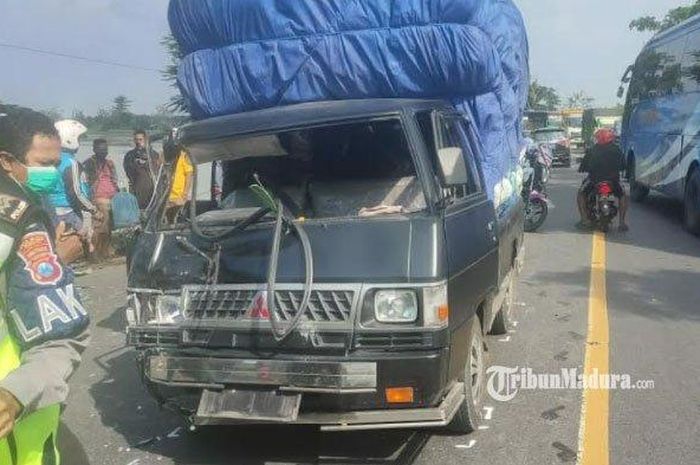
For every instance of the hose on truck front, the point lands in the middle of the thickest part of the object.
(280, 330)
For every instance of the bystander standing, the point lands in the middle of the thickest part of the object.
(102, 177)
(142, 165)
(181, 187)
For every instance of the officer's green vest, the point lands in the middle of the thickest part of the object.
(33, 440)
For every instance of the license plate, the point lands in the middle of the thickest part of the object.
(249, 405)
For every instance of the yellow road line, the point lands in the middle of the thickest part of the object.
(594, 432)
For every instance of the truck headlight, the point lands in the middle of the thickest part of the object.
(396, 306)
(168, 309)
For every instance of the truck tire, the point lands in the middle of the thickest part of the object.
(470, 414)
(638, 192)
(504, 317)
(691, 204)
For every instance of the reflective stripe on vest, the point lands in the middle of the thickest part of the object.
(34, 433)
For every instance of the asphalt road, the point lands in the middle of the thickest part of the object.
(653, 282)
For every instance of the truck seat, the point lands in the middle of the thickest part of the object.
(347, 198)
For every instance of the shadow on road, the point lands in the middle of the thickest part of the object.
(661, 295)
(125, 407)
(115, 322)
(657, 224)
(263, 445)
(72, 451)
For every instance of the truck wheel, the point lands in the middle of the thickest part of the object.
(638, 192)
(504, 317)
(691, 204)
(470, 413)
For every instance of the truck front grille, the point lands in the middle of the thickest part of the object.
(238, 304)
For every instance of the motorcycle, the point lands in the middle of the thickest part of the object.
(534, 198)
(546, 159)
(602, 206)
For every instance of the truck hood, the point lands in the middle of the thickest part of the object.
(381, 250)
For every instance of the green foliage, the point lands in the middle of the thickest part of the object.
(121, 105)
(580, 100)
(672, 18)
(118, 117)
(54, 113)
(177, 103)
(543, 98)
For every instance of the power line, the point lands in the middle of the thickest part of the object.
(76, 57)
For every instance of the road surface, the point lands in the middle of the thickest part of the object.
(653, 318)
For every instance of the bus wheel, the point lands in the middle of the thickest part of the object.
(469, 416)
(692, 203)
(638, 192)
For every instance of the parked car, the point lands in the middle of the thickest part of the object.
(346, 280)
(557, 141)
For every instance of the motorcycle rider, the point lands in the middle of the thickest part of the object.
(43, 324)
(533, 155)
(603, 162)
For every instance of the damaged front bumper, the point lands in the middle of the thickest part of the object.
(299, 376)
(336, 395)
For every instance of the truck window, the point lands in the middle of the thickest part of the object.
(455, 133)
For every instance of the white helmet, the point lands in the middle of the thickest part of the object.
(70, 132)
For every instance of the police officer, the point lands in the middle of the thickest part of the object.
(43, 324)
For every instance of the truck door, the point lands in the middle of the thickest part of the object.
(469, 222)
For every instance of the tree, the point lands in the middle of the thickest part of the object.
(53, 113)
(79, 115)
(672, 18)
(543, 98)
(580, 100)
(177, 103)
(121, 105)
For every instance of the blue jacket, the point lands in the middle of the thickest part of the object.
(42, 303)
(72, 191)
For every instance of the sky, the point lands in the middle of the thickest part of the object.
(575, 45)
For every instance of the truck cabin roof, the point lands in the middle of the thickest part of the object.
(205, 140)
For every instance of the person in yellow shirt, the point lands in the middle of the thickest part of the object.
(181, 187)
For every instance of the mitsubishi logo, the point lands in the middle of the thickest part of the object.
(258, 308)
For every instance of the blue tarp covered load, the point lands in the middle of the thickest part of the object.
(244, 55)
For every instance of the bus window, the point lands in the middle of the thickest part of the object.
(691, 63)
(647, 69)
(658, 71)
(670, 78)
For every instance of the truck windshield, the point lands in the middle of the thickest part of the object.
(359, 169)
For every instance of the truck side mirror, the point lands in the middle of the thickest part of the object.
(621, 92)
(453, 166)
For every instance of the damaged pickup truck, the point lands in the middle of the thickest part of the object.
(344, 276)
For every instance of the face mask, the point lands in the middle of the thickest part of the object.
(42, 180)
